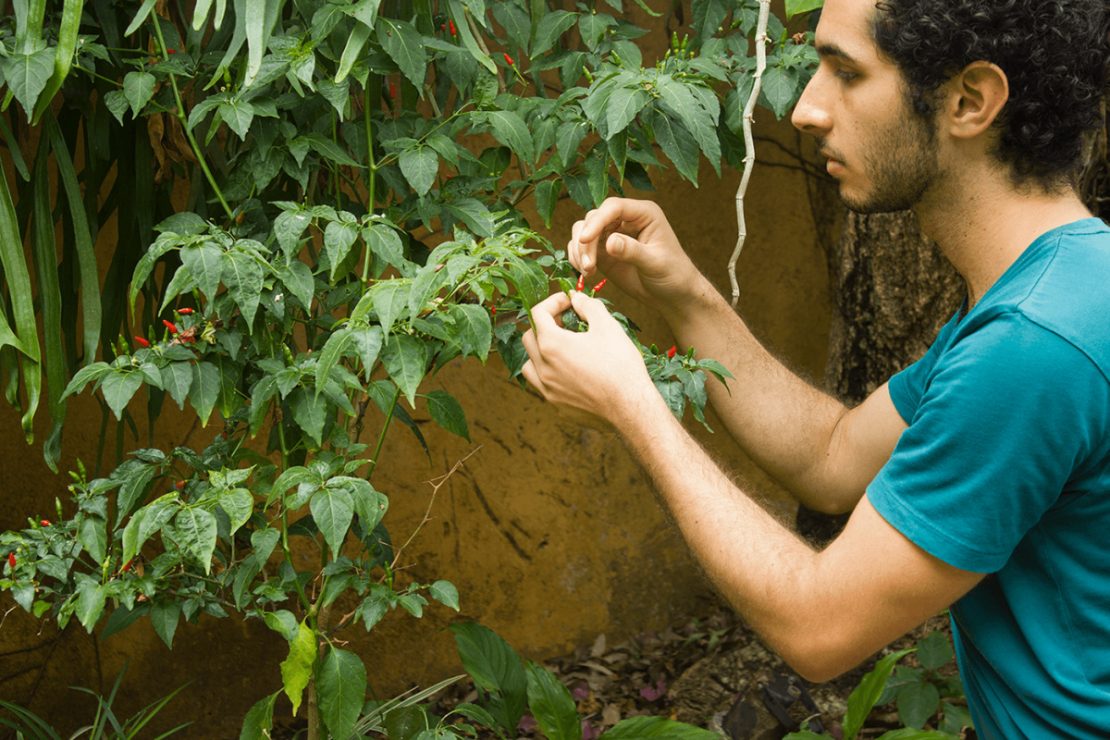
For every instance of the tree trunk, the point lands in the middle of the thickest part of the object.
(892, 292)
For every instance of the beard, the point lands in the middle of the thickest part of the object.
(902, 164)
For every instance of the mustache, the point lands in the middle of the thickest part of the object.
(828, 152)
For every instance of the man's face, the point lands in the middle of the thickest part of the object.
(883, 155)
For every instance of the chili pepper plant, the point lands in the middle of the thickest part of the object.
(317, 206)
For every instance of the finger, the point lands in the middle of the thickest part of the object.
(590, 309)
(533, 377)
(574, 252)
(544, 313)
(528, 339)
(613, 213)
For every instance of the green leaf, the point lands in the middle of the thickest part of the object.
(360, 34)
(204, 390)
(509, 129)
(420, 165)
(369, 504)
(310, 412)
(243, 277)
(296, 669)
(195, 532)
(140, 17)
(86, 375)
(862, 699)
(90, 601)
(298, 280)
(204, 261)
(493, 665)
(332, 353)
(145, 522)
(567, 139)
(164, 616)
(458, 13)
(93, 536)
(552, 705)
(621, 110)
(339, 237)
(636, 728)
(445, 593)
(934, 650)
(138, 87)
(406, 360)
(259, 720)
(177, 379)
(404, 44)
(27, 75)
(551, 27)
(368, 343)
(708, 17)
(917, 703)
(238, 115)
(448, 413)
(238, 505)
(133, 488)
(289, 226)
(385, 244)
(119, 387)
(473, 213)
(794, 7)
(779, 84)
(333, 510)
(341, 687)
(678, 144)
(390, 298)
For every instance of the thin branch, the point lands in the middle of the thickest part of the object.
(749, 143)
(436, 484)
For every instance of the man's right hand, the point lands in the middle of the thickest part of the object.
(634, 246)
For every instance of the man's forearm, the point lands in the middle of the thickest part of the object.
(763, 569)
(783, 422)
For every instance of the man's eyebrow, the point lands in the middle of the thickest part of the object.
(832, 50)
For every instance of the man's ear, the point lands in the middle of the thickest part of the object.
(976, 97)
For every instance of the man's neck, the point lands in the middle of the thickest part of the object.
(983, 224)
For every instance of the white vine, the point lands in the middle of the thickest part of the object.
(749, 142)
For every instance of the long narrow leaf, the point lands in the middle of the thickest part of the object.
(63, 54)
(50, 292)
(18, 281)
(14, 150)
(86, 255)
(144, 11)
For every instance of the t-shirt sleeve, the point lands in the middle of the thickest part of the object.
(906, 387)
(1008, 415)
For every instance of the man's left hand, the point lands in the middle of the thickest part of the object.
(598, 371)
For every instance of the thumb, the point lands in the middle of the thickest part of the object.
(591, 309)
(623, 248)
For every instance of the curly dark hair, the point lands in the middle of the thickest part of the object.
(1055, 53)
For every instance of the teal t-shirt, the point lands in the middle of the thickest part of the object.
(1005, 470)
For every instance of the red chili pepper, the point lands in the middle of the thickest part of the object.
(493, 310)
(45, 522)
(11, 559)
(581, 283)
(170, 325)
(509, 61)
(454, 31)
(141, 341)
(443, 26)
(393, 90)
(600, 285)
(171, 51)
(672, 351)
(180, 485)
(127, 566)
(184, 311)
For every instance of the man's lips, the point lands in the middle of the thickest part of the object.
(834, 163)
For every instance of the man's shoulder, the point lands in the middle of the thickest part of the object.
(1064, 291)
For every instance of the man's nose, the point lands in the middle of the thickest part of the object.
(810, 115)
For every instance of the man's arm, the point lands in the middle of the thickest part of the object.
(821, 450)
(823, 612)
(817, 447)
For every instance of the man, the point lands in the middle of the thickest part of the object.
(978, 478)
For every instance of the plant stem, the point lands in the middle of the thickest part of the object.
(381, 435)
(371, 168)
(749, 144)
(184, 120)
(285, 520)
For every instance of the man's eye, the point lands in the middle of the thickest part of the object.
(846, 76)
